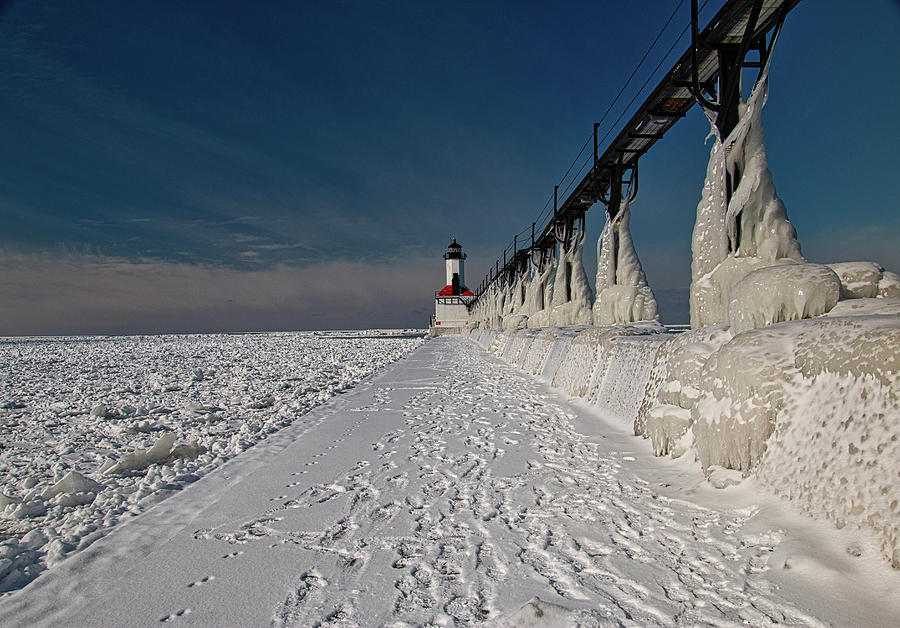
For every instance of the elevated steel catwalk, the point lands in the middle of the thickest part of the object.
(726, 34)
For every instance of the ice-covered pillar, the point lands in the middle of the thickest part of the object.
(572, 294)
(735, 236)
(532, 303)
(623, 295)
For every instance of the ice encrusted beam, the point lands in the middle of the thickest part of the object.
(623, 295)
(751, 230)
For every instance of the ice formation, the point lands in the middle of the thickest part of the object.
(608, 367)
(866, 279)
(673, 387)
(748, 232)
(740, 394)
(534, 290)
(623, 295)
(572, 296)
(782, 293)
(835, 450)
(452, 490)
(866, 307)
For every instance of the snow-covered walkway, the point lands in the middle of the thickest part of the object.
(448, 488)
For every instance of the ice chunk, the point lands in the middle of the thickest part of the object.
(711, 294)
(858, 279)
(141, 458)
(72, 482)
(34, 539)
(675, 377)
(56, 551)
(889, 286)
(720, 477)
(161, 449)
(27, 510)
(186, 450)
(265, 402)
(74, 499)
(100, 411)
(666, 425)
(866, 307)
(782, 293)
(741, 392)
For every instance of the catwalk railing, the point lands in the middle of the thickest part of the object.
(707, 72)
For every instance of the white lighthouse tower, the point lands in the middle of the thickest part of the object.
(451, 302)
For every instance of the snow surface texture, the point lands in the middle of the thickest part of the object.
(623, 295)
(95, 430)
(451, 490)
(753, 225)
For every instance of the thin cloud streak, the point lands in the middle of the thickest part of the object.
(92, 294)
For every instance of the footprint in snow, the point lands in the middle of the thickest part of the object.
(175, 615)
(202, 580)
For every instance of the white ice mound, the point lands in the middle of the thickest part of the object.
(664, 415)
(835, 451)
(741, 391)
(782, 293)
(889, 286)
(666, 428)
(72, 482)
(711, 294)
(743, 384)
(620, 305)
(140, 458)
(866, 307)
(866, 280)
(623, 295)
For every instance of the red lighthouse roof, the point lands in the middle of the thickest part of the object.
(447, 291)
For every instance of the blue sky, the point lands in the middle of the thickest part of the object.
(207, 166)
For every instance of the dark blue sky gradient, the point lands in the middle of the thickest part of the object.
(250, 136)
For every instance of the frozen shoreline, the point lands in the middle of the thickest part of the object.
(451, 488)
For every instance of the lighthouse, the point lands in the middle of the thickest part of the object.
(451, 302)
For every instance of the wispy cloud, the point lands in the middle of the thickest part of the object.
(69, 294)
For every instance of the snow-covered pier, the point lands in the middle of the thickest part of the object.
(453, 488)
(791, 370)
